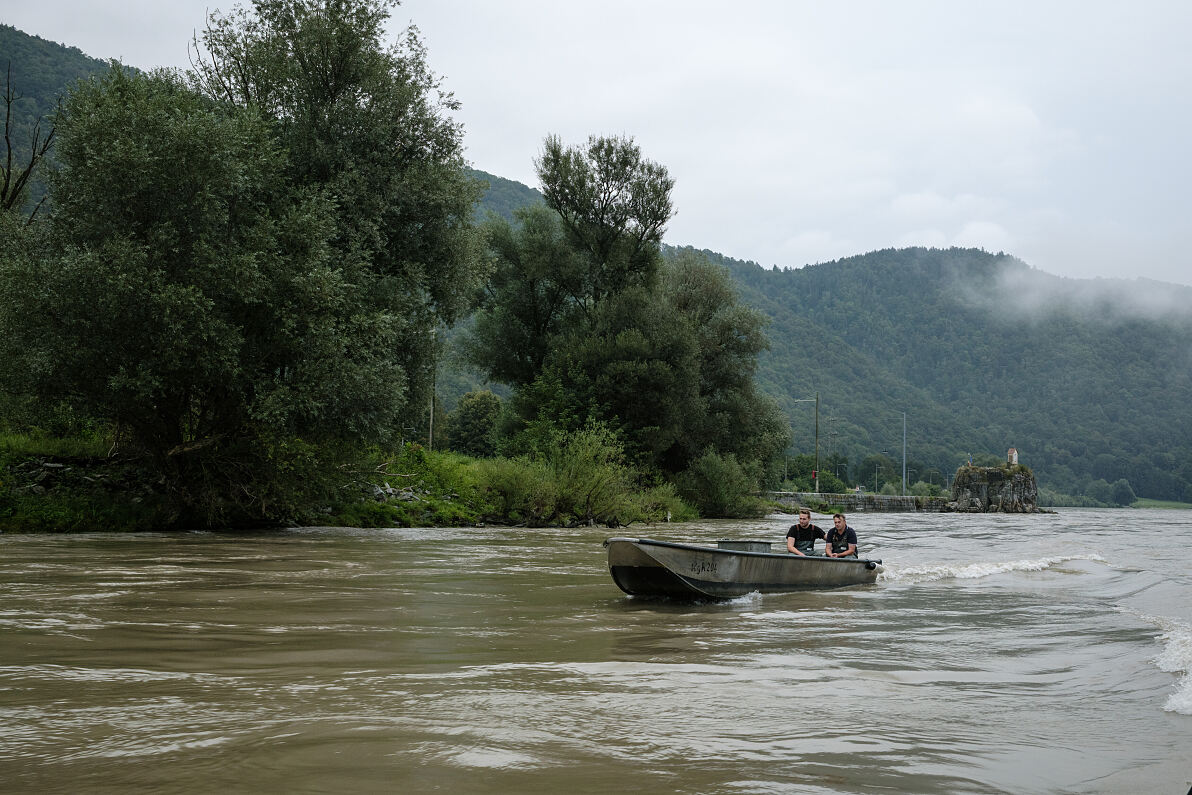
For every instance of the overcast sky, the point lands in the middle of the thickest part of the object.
(801, 132)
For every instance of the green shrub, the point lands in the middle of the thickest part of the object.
(76, 513)
(661, 504)
(1055, 499)
(471, 427)
(593, 484)
(720, 487)
(520, 490)
(366, 513)
(921, 488)
(1122, 493)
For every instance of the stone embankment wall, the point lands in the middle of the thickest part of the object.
(858, 503)
(1009, 488)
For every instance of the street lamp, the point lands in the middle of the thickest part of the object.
(434, 372)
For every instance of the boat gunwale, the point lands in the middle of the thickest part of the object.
(699, 548)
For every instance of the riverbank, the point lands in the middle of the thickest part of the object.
(1143, 502)
(81, 490)
(857, 503)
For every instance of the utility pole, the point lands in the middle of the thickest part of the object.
(817, 491)
(904, 454)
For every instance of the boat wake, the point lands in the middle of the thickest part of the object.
(1175, 658)
(971, 571)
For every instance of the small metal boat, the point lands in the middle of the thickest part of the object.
(645, 567)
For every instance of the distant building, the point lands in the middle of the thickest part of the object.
(1012, 456)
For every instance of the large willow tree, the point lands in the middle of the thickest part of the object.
(367, 126)
(585, 318)
(244, 266)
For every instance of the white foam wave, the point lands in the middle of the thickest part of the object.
(970, 571)
(1175, 658)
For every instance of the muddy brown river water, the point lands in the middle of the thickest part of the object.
(1042, 654)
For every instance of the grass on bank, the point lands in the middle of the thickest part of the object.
(1143, 502)
(70, 485)
(16, 445)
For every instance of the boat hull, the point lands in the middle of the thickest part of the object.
(645, 567)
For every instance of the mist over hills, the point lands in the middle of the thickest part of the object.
(1091, 380)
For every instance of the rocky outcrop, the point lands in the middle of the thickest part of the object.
(1009, 488)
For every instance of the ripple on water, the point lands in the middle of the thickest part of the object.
(975, 570)
(1176, 658)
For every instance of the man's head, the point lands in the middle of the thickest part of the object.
(838, 520)
(804, 517)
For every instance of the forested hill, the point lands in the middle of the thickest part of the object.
(1090, 380)
(503, 196)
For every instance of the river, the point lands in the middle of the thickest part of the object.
(1044, 653)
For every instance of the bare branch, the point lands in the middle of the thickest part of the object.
(16, 179)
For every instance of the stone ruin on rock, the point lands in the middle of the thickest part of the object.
(1009, 488)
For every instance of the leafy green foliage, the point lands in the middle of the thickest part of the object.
(593, 481)
(729, 413)
(719, 486)
(874, 471)
(579, 477)
(1143, 502)
(471, 427)
(80, 445)
(1121, 493)
(588, 329)
(633, 368)
(922, 488)
(369, 127)
(529, 297)
(251, 261)
(178, 296)
(521, 489)
(1055, 499)
(160, 300)
(615, 204)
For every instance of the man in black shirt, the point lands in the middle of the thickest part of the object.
(800, 539)
(841, 541)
